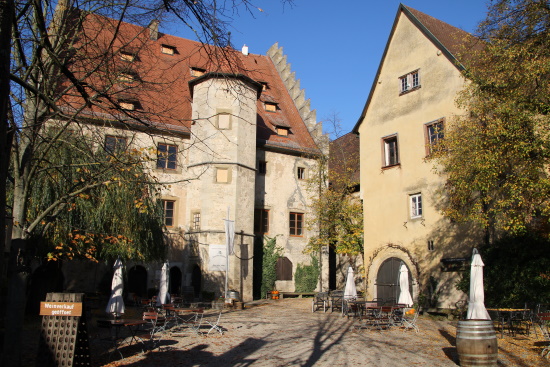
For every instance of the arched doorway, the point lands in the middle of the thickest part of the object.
(196, 279)
(137, 281)
(387, 280)
(175, 280)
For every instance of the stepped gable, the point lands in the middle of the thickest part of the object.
(165, 96)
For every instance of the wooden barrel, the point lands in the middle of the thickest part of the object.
(476, 343)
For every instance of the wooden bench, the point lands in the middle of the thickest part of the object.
(296, 294)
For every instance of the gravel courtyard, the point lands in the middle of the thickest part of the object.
(287, 333)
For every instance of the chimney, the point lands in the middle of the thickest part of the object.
(245, 50)
(154, 30)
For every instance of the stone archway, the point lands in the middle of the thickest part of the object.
(379, 257)
(137, 281)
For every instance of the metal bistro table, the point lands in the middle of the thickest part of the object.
(505, 317)
(115, 326)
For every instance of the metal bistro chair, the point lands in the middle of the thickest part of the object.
(410, 322)
(337, 301)
(320, 300)
(542, 320)
(215, 324)
(157, 326)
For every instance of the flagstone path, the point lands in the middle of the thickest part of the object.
(287, 333)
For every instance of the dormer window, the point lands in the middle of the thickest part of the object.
(265, 86)
(196, 72)
(270, 106)
(127, 55)
(282, 130)
(128, 104)
(127, 76)
(168, 50)
(409, 82)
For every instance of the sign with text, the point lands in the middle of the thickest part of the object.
(61, 308)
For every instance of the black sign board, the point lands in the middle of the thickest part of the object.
(454, 264)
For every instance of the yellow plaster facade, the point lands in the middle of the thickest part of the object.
(393, 230)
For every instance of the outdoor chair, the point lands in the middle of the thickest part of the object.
(336, 301)
(409, 322)
(215, 324)
(384, 318)
(191, 321)
(157, 326)
(543, 318)
(320, 299)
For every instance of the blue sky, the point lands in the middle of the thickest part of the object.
(335, 48)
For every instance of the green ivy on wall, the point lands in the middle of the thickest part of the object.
(307, 276)
(269, 269)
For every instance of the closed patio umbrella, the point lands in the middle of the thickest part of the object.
(350, 291)
(404, 294)
(476, 304)
(116, 302)
(163, 296)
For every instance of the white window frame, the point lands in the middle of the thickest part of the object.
(415, 204)
(409, 81)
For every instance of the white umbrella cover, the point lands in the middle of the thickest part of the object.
(404, 294)
(350, 291)
(116, 302)
(476, 304)
(163, 296)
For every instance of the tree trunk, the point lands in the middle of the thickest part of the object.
(7, 8)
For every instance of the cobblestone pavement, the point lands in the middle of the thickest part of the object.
(287, 333)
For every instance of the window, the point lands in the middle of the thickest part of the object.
(127, 76)
(224, 120)
(265, 86)
(196, 72)
(222, 175)
(261, 221)
(166, 156)
(390, 151)
(409, 82)
(434, 132)
(284, 269)
(282, 131)
(167, 49)
(196, 225)
(296, 224)
(270, 106)
(127, 56)
(169, 212)
(127, 105)
(262, 167)
(115, 144)
(301, 173)
(416, 205)
(431, 246)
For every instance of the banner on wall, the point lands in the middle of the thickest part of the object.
(217, 258)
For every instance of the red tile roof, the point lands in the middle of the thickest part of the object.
(163, 87)
(344, 161)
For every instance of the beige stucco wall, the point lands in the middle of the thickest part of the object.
(281, 192)
(232, 148)
(389, 230)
